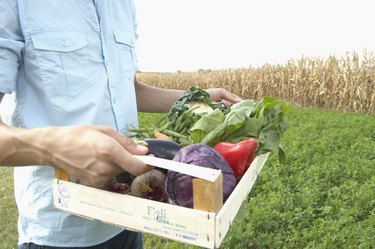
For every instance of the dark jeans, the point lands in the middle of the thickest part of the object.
(124, 240)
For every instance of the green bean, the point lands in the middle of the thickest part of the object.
(186, 123)
(173, 134)
(140, 129)
(165, 126)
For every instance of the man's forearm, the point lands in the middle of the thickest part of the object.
(15, 149)
(7, 146)
(21, 147)
(153, 99)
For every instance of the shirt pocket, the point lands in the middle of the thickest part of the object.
(125, 42)
(63, 61)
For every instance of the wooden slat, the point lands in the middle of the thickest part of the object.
(170, 221)
(208, 196)
(188, 169)
(61, 174)
(231, 206)
(196, 171)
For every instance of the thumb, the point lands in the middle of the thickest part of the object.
(132, 147)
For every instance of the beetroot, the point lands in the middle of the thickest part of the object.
(150, 185)
(117, 187)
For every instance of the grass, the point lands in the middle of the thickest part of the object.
(324, 197)
(8, 210)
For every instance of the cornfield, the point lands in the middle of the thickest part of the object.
(346, 83)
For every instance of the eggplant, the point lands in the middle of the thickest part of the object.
(163, 149)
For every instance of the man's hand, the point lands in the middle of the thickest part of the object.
(222, 95)
(92, 154)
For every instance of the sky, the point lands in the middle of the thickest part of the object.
(187, 35)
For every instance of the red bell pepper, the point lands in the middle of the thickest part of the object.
(238, 155)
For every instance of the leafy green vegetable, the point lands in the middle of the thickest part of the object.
(205, 125)
(272, 113)
(234, 118)
(264, 120)
(251, 128)
(195, 119)
(237, 116)
(191, 95)
(186, 111)
(269, 139)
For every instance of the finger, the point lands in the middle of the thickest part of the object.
(123, 159)
(125, 142)
(226, 103)
(230, 97)
(103, 173)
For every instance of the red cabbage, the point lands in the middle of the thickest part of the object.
(178, 186)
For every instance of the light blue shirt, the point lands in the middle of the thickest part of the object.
(69, 62)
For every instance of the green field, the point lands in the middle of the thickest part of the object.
(324, 197)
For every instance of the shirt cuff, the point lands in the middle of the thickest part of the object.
(8, 76)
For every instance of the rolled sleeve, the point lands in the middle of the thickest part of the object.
(8, 76)
(11, 46)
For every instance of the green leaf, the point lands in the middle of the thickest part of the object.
(205, 125)
(248, 103)
(269, 139)
(250, 129)
(190, 95)
(235, 120)
(282, 155)
(215, 135)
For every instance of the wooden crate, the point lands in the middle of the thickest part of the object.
(187, 225)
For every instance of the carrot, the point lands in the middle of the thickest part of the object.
(159, 135)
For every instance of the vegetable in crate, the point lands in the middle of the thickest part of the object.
(264, 120)
(194, 99)
(150, 186)
(117, 187)
(162, 148)
(238, 155)
(185, 112)
(179, 186)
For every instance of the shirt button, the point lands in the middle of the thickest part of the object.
(106, 62)
(65, 43)
(97, 29)
(114, 100)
